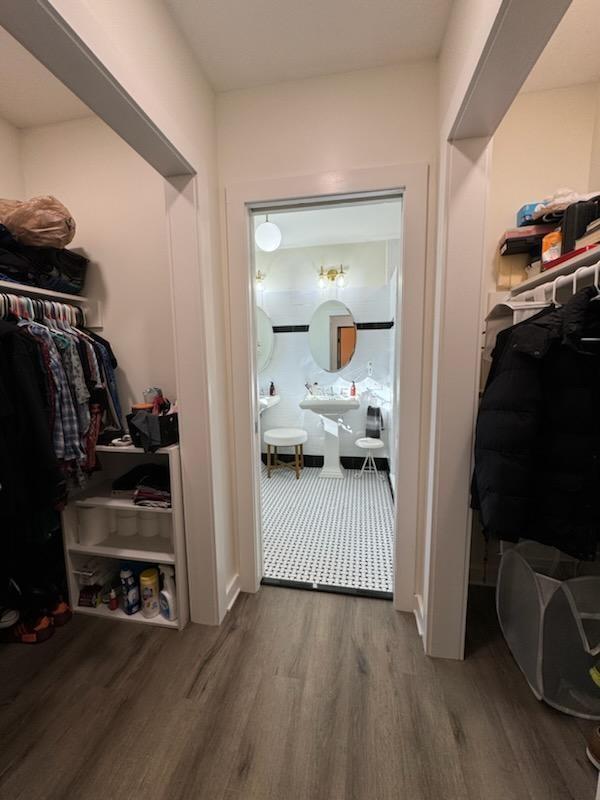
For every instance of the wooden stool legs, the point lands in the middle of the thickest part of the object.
(273, 461)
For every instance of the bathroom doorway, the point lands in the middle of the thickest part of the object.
(326, 310)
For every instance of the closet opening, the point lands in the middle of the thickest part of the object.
(326, 279)
(91, 509)
(536, 533)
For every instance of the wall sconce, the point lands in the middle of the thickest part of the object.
(260, 279)
(332, 275)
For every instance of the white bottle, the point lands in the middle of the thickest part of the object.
(168, 595)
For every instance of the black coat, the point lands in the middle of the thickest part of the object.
(30, 479)
(537, 444)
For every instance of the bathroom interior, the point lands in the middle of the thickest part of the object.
(326, 288)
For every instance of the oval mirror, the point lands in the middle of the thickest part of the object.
(265, 339)
(332, 336)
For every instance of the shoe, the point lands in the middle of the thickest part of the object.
(36, 633)
(8, 617)
(61, 614)
(593, 747)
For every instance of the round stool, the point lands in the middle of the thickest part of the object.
(369, 445)
(286, 437)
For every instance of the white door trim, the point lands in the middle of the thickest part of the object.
(412, 181)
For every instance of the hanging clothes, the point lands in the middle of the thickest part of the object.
(537, 444)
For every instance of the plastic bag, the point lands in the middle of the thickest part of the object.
(39, 222)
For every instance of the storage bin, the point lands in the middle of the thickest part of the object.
(168, 428)
(127, 523)
(93, 525)
(552, 626)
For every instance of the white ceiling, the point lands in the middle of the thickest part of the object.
(241, 43)
(338, 224)
(29, 93)
(572, 55)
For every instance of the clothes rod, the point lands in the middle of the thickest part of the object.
(541, 292)
(92, 308)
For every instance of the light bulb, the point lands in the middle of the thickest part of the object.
(322, 282)
(341, 280)
(267, 236)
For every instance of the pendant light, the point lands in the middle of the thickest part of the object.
(267, 236)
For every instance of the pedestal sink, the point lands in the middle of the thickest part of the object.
(267, 402)
(331, 409)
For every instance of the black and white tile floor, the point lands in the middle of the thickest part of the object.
(329, 532)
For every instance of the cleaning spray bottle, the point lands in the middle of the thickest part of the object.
(168, 595)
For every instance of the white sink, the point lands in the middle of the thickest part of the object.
(330, 406)
(331, 409)
(267, 402)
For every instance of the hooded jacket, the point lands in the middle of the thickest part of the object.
(537, 442)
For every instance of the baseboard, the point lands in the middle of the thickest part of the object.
(419, 615)
(232, 592)
(348, 462)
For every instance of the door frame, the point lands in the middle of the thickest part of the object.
(412, 181)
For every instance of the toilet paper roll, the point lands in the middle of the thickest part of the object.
(148, 525)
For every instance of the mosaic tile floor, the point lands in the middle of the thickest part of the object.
(330, 532)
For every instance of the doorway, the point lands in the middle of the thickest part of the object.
(326, 277)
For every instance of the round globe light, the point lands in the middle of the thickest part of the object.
(267, 236)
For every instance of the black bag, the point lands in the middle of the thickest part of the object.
(576, 219)
(46, 267)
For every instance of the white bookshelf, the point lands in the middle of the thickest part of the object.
(155, 550)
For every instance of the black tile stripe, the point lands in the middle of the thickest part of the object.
(361, 326)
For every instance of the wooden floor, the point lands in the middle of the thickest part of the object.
(298, 696)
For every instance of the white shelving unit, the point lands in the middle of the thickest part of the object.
(116, 461)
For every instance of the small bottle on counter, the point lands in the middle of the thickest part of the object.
(113, 600)
(272, 389)
(353, 390)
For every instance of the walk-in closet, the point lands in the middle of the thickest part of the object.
(91, 504)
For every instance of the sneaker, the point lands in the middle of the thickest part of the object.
(61, 614)
(23, 633)
(593, 747)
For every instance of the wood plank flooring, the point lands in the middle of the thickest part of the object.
(298, 696)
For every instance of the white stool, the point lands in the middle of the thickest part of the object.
(286, 437)
(369, 445)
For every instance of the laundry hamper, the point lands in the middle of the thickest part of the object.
(551, 625)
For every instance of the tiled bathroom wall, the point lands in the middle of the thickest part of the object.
(289, 296)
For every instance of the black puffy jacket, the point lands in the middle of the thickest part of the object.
(537, 444)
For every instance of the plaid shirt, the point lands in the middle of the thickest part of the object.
(65, 433)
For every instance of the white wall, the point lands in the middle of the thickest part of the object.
(11, 174)
(352, 120)
(532, 157)
(118, 204)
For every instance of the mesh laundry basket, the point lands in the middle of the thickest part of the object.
(551, 625)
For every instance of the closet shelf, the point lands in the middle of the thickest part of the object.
(91, 308)
(107, 448)
(36, 291)
(130, 548)
(566, 268)
(103, 498)
(119, 614)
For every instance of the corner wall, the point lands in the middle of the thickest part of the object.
(11, 173)
(532, 157)
(118, 204)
